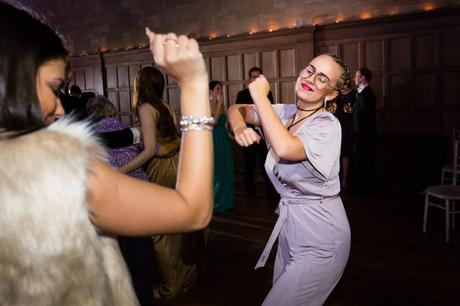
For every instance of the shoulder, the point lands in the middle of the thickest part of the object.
(325, 122)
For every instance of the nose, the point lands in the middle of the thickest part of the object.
(59, 112)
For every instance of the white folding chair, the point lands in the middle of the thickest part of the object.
(447, 171)
(446, 195)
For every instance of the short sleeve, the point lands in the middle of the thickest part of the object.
(282, 111)
(321, 139)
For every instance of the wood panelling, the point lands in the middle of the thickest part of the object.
(414, 60)
(400, 91)
(451, 47)
(269, 64)
(399, 54)
(425, 90)
(287, 63)
(351, 55)
(451, 85)
(374, 56)
(425, 48)
(234, 71)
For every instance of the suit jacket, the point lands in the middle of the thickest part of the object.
(364, 115)
(244, 97)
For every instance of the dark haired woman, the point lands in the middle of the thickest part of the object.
(61, 204)
(303, 165)
(223, 158)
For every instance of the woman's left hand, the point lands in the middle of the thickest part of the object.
(259, 88)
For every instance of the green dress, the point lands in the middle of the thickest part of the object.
(223, 167)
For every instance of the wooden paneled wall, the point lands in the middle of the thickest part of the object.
(416, 68)
(414, 60)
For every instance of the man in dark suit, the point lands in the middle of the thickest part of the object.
(251, 152)
(365, 131)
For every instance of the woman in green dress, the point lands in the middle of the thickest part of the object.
(223, 157)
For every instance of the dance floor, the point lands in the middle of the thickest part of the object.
(391, 262)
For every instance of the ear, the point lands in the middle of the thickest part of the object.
(332, 96)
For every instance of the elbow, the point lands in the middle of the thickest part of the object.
(203, 216)
(282, 151)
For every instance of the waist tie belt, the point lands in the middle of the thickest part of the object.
(283, 207)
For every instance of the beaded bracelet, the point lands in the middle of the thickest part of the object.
(196, 123)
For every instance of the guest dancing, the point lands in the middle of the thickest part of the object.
(61, 203)
(175, 274)
(224, 178)
(303, 164)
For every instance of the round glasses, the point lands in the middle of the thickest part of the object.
(320, 79)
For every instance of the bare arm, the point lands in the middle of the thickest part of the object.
(147, 117)
(238, 116)
(123, 205)
(285, 145)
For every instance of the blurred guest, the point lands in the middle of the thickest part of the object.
(137, 251)
(343, 110)
(223, 157)
(365, 133)
(176, 271)
(259, 149)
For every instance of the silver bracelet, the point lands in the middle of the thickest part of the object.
(196, 123)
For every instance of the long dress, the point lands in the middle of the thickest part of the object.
(312, 228)
(175, 270)
(223, 167)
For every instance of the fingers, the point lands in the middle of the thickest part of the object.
(247, 137)
(171, 47)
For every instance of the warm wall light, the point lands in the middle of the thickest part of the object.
(228, 35)
(394, 11)
(428, 6)
(365, 15)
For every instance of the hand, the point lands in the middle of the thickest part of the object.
(178, 56)
(259, 88)
(216, 97)
(246, 136)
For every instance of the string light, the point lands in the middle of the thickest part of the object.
(292, 24)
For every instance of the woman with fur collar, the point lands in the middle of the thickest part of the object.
(60, 201)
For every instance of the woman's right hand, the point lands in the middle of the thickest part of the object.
(246, 136)
(178, 56)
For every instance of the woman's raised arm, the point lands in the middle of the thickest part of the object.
(124, 205)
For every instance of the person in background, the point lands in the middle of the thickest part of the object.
(137, 251)
(224, 195)
(61, 203)
(176, 271)
(303, 164)
(258, 150)
(365, 134)
(343, 110)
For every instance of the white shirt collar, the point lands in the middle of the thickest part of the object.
(361, 87)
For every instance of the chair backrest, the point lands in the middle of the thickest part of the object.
(456, 164)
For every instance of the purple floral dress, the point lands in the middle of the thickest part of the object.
(121, 156)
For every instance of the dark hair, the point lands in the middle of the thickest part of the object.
(25, 44)
(150, 84)
(75, 89)
(366, 73)
(345, 77)
(253, 69)
(86, 96)
(213, 84)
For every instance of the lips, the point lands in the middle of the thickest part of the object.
(306, 87)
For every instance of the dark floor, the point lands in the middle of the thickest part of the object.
(391, 262)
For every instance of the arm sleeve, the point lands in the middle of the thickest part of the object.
(117, 139)
(321, 140)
